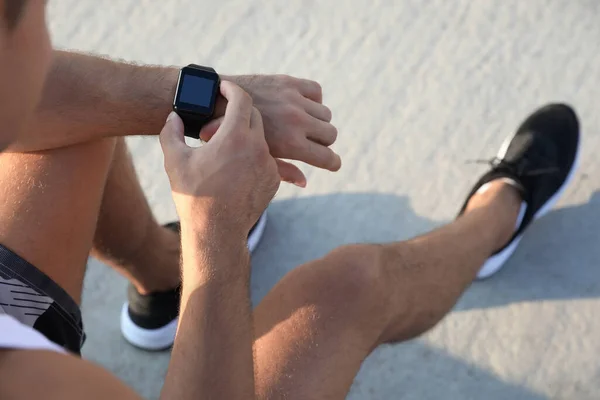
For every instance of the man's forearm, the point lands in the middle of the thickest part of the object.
(88, 97)
(212, 356)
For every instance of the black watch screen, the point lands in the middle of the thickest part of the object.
(196, 96)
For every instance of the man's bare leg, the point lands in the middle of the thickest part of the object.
(49, 207)
(314, 329)
(128, 237)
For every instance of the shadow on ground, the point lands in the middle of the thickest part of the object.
(554, 262)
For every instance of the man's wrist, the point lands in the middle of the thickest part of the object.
(207, 261)
(146, 95)
(171, 77)
(164, 88)
(211, 247)
(211, 233)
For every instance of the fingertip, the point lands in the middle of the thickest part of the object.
(174, 122)
(171, 115)
(299, 179)
(337, 163)
(226, 87)
(290, 173)
(301, 184)
(173, 131)
(223, 85)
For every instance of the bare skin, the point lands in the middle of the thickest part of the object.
(128, 237)
(117, 96)
(128, 99)
(310, 334)
(309, 342)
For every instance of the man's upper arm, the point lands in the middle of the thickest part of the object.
(41, 374)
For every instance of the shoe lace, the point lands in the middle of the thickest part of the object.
(519, 169)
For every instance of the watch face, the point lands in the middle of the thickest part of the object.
(196, 91)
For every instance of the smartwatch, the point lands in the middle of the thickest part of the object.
(195, 97)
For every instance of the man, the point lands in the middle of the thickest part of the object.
(69, 188)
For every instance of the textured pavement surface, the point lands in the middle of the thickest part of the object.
(417, 89)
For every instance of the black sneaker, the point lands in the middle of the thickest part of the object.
(150, 321)
(540, 161)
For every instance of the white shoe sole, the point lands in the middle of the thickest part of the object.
(147, 339)
(163, 337)
(496, 262)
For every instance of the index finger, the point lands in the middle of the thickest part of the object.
(239, 105)
(311, 90)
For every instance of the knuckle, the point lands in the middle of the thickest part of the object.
(316, 87)
(291, 95)
(295, 144)
(285, 79)
(294, 115)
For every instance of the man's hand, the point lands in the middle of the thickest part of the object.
(220, 190)
(297, 124)
(230, 180)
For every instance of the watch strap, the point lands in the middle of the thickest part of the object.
(203, 68)
(193, 125)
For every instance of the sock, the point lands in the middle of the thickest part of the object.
(514, 184)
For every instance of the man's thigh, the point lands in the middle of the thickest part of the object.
(49, 207)
(317, 325)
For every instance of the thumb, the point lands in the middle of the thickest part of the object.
(172, 139)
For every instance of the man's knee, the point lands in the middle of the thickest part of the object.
(355, 268)
(379, 286)
(377, 291)
(350, 283)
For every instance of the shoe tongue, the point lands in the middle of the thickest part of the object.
(520, 145)
(531, 145)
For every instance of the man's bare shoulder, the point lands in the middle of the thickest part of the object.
(41, 374)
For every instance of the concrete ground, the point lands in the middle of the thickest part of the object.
(417, 89)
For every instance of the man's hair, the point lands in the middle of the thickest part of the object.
(13, 9)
